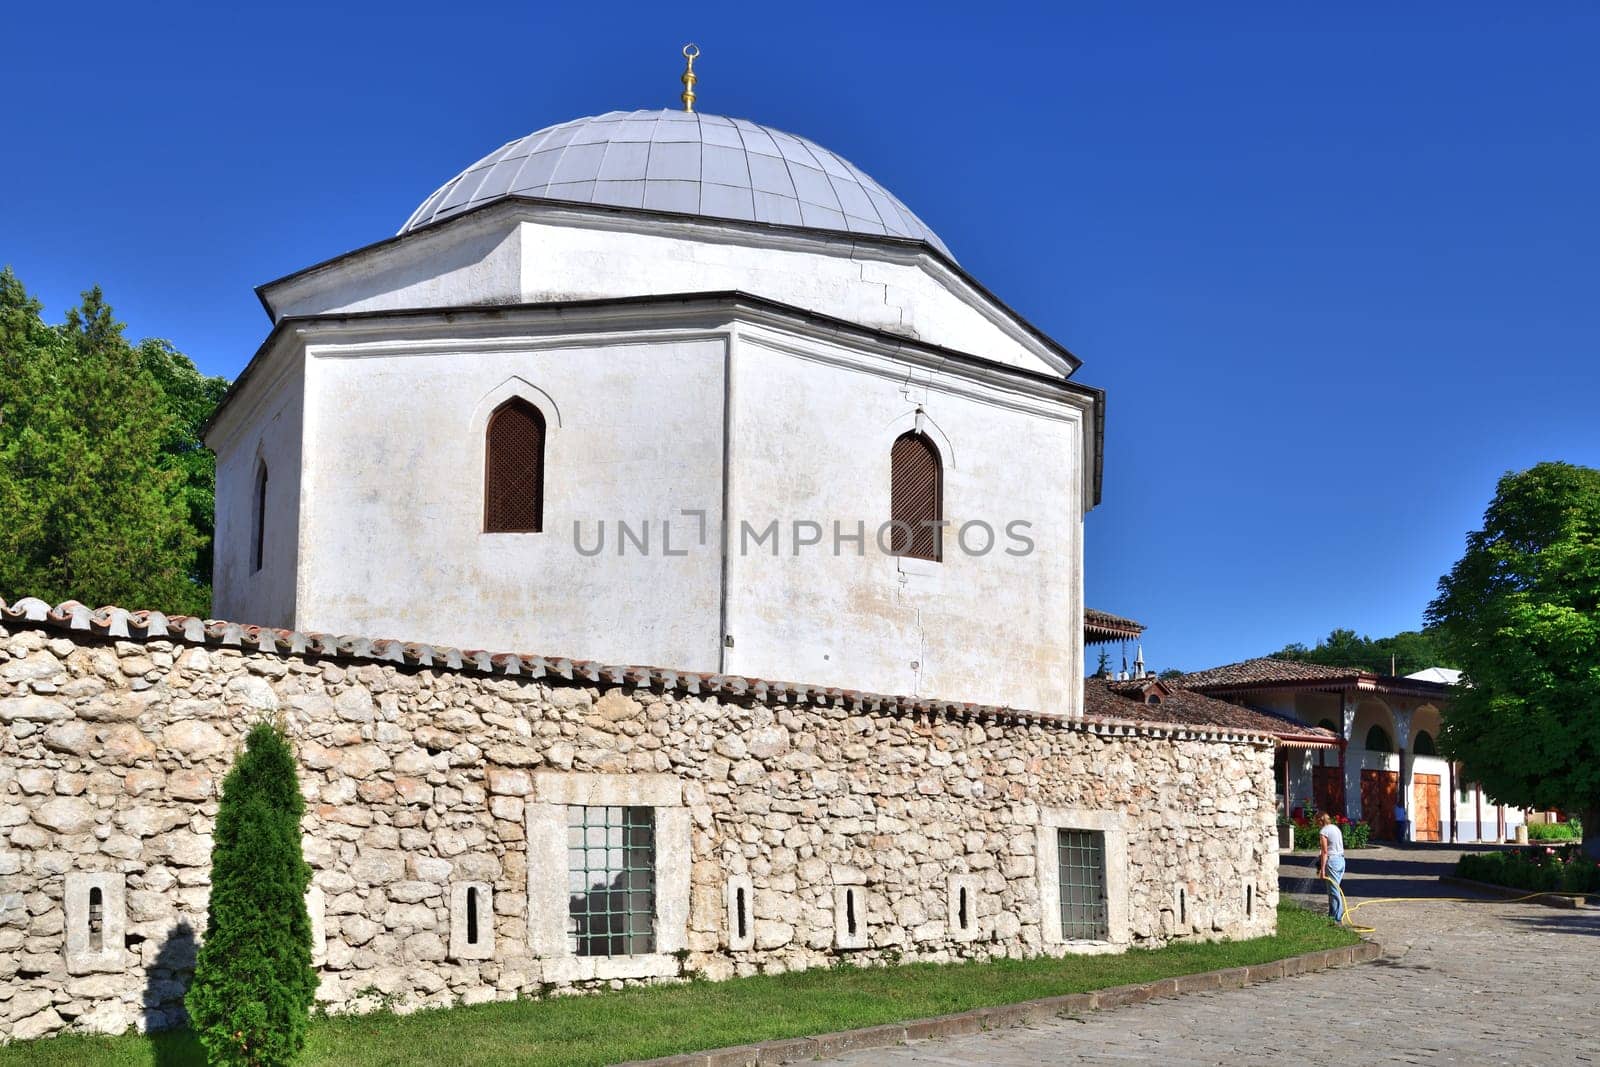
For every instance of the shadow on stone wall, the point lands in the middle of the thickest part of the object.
(166, 981)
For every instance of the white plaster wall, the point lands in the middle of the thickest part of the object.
(394, 496)
(536, 253)
(476, 262)
(811, 441)
(270, 432)
(833, 276)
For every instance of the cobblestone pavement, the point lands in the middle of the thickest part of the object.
(1460, 983)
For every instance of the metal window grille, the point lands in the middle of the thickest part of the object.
(1082, 860)
(513, 470)
(916, 497)
(611, 881)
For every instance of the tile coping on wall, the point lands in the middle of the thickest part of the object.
(119, 623)
(793, 1049)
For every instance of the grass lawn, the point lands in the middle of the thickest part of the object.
(662, 1020)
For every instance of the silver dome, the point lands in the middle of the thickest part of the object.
(684, 162)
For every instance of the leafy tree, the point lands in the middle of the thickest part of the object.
(191, 397)
(1520, 614)
(105, 489)
(253, 985)
(1404, 653)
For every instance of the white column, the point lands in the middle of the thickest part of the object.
(1408, 766)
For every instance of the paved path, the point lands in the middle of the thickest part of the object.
(1464, 983)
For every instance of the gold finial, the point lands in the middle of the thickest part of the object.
(691, 52)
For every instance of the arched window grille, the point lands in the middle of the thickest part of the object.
(1378, 740)
(916, 493)
(1424, 745)
(513, 469)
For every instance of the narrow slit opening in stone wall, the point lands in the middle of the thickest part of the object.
(961, 908)
(850, 911)
(738, 907)
(472, 915)
(96, 919)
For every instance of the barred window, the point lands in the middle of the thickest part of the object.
(916, 497)
(513, 469)
(1081, 855)
(611, 880)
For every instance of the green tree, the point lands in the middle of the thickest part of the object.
(105, 490)
(253, 985)
(1520, 614)
(191, 398)
(1404, 653)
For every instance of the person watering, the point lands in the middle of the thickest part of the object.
(1402, 824)
(1330, 865)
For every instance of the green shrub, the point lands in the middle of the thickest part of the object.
(253, 981)
(1552, 831)
(1543, 871)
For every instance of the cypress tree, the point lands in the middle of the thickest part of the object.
(253, 982)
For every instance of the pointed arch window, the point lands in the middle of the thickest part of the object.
(1378, 740)
(1424, 746)
(513, 469)
(258, 527)
(916, 497)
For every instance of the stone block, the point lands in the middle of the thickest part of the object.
(1204, 982)
(962, 892)
(193, 739)
(66, 815)
(957, 1025)
(740, 932)
(850, 917)
(471, 921)
(96, 910)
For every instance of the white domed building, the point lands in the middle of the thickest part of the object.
(667, 388)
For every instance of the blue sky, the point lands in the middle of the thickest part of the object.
(1336, 266)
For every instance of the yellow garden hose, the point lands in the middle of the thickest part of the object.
(1348, 910)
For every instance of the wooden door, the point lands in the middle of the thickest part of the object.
(1379, 792)
(1327, 789)
(1425, 793)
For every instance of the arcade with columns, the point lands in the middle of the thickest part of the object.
(1387, 753)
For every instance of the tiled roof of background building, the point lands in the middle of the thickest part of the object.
(1267, 673)
(1126, 699)
(1103, 626)
(1252, 671)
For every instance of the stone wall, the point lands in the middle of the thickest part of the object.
(841, 825)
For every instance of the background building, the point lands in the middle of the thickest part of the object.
(1388, 752)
